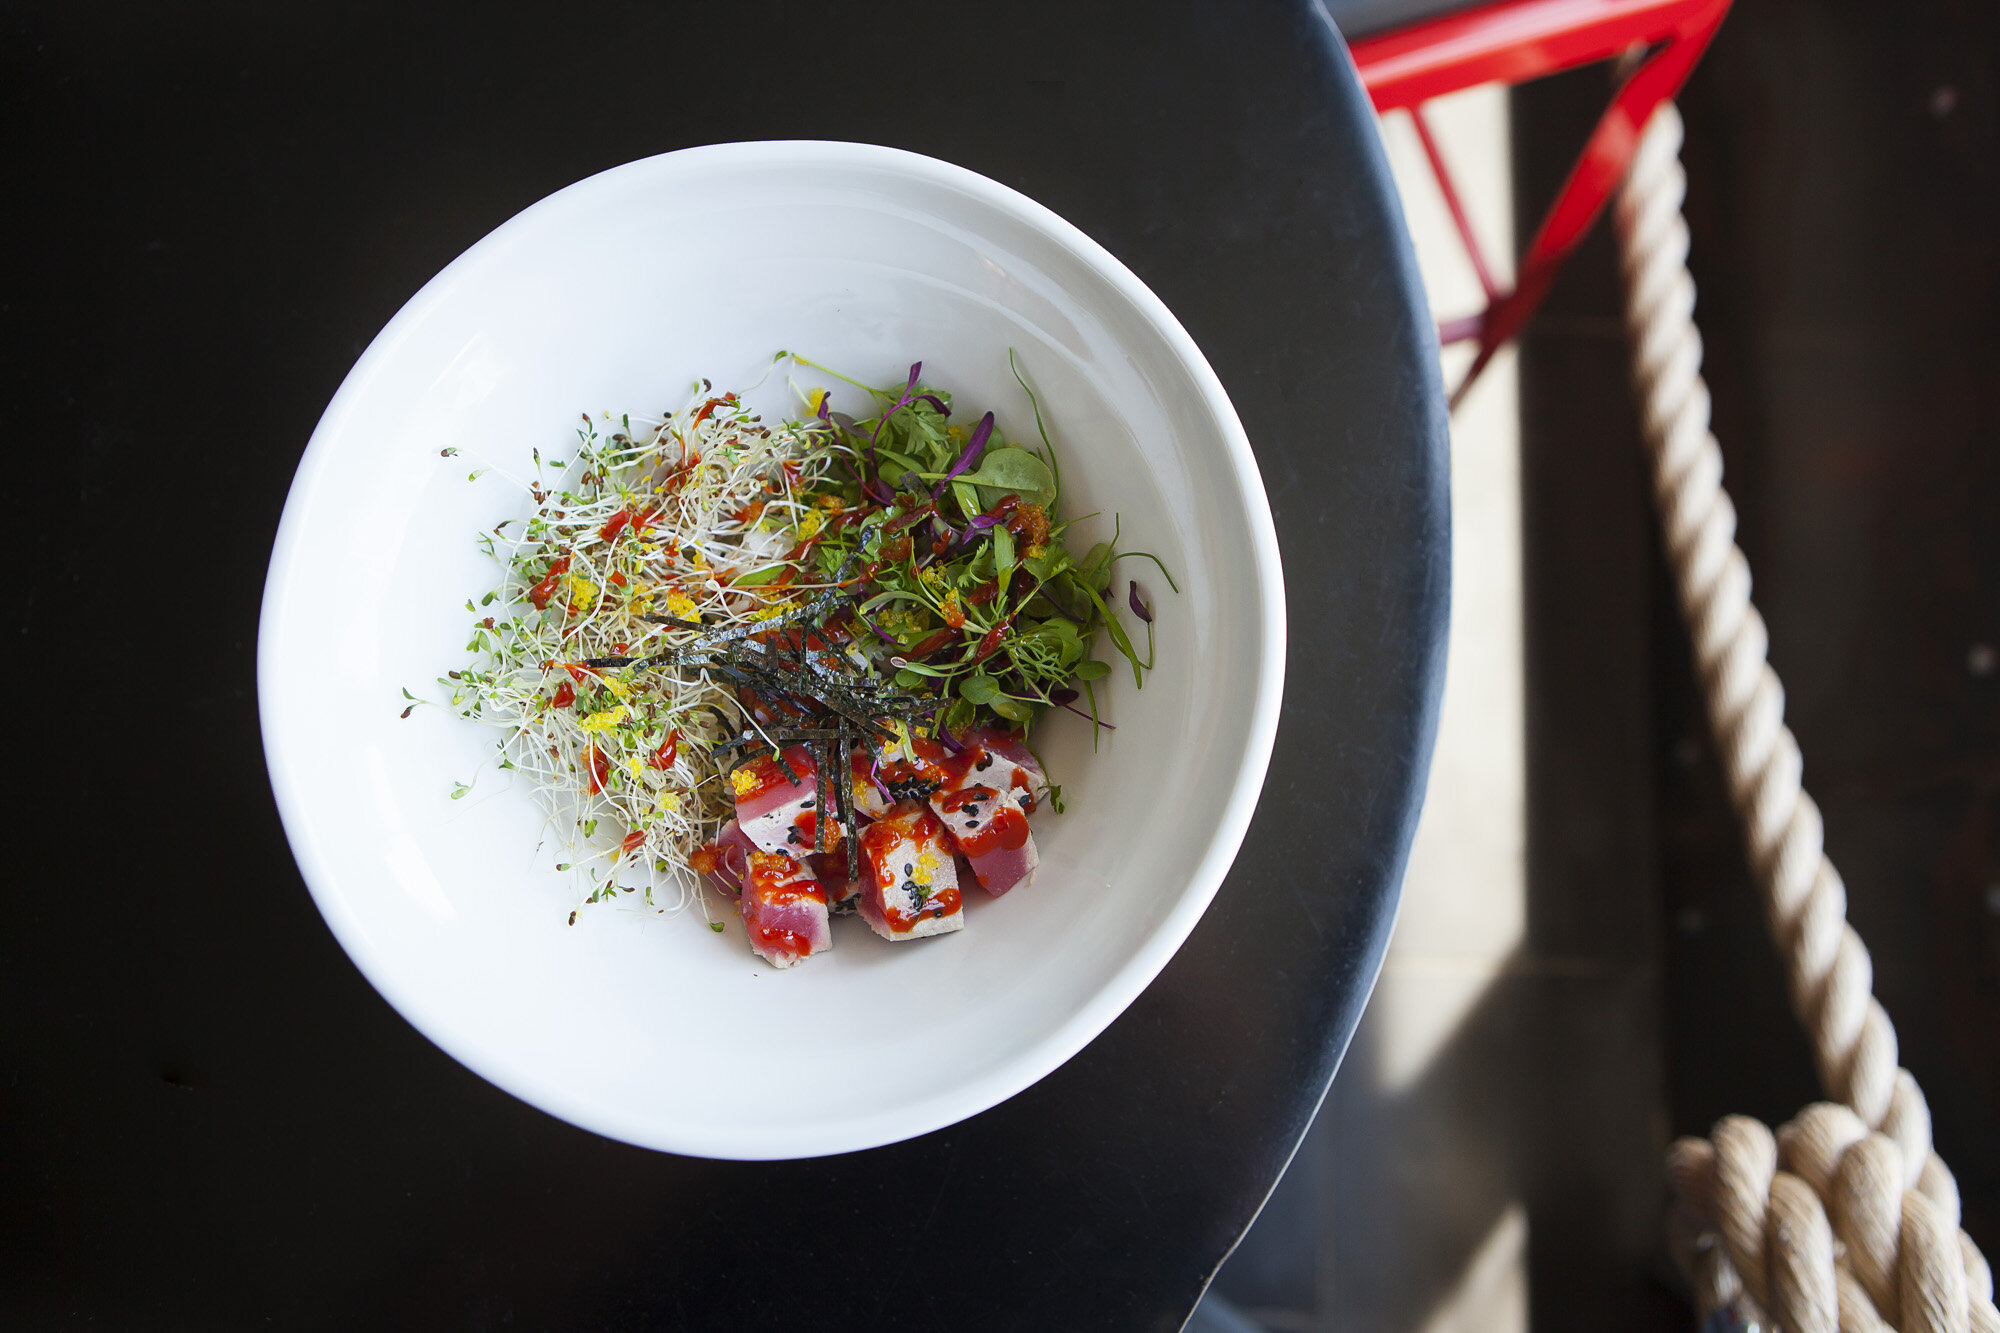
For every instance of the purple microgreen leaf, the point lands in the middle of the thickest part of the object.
(909, 396)
(1138, 605)
(1088, 718)
(1064, 696)
(936, 402)
(883, 420)
(949, 741)
(875, 776)
(973, 447)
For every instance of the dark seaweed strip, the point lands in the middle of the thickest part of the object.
(822, 774)
(736, 633)
(866, 714)
(843, 795)
(780, 736)
(774, 658)
(864, 696)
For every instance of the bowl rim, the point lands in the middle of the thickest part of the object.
(1066, 1039)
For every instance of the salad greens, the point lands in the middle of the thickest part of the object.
(694, 590)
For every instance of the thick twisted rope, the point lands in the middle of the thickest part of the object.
(1846, 1219)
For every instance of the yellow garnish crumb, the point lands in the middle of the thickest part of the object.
(681, 606)
(927, 867)
(931, 576)
(810, 525)
(582, 592)
(606, 720)
(670, 801)
(771, 612)
(634, 767)
(616, 686)
(743, 781)
(908, 620)
(832, 504)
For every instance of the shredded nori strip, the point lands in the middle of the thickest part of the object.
(819, 686)
(822, 775)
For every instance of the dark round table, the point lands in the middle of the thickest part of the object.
(211, 1120)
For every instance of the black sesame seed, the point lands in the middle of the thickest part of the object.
(911, 789)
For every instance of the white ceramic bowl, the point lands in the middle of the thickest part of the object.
(615, 294)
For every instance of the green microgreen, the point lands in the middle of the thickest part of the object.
(692, 571)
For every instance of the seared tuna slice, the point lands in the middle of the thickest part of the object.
(910, 888)
(986, 823)
(1019, 771)
(726, 860)
(775, 811)
(784, 909)
(843, 890)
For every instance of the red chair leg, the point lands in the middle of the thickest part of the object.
(1516, 40)
(1598, 170)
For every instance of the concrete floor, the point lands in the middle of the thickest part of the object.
(1457, 1125)
(1581, 970)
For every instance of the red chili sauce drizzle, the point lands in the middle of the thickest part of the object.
(804, 832)
(964, 796)
(778, 939)
(765, 773)
(930, 763)
(1005, 828)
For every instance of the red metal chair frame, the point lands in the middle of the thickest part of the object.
(1514, 41)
